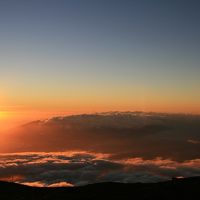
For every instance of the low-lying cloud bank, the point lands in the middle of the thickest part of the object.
(124, 134)
(80, 168)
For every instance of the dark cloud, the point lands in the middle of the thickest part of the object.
(80, 168)
(127, 134)
(193, 141)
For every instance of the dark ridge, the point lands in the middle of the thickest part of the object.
(187, 188)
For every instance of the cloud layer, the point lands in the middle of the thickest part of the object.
(137, 134)
(84, 149)
(80, 168)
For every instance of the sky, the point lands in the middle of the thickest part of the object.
(71, 56)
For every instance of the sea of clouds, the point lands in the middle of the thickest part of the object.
(83, 149)
(82, 168)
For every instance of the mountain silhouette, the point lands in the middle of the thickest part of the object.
(186, 188)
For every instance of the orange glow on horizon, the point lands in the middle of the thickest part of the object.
(13, 116)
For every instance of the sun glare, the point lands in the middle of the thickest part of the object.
(3, 114)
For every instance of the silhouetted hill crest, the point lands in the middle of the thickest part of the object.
(187, 188)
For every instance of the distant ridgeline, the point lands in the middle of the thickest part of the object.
(174, 189)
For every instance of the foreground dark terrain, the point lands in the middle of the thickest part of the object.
(188, 188)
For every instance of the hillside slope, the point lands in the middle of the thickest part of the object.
(187, 188)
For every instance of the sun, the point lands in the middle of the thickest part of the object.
(3, 114)
(4, 121)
